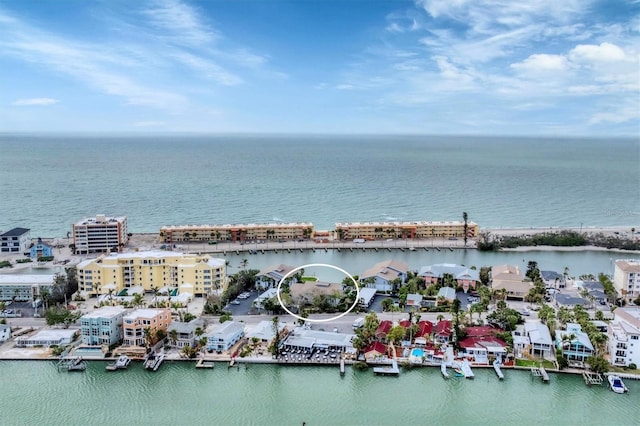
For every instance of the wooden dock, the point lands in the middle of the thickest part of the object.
(466, 369)
(388, 370)
(591, 378)
(342, 368)
(204, 364)
(540, 372)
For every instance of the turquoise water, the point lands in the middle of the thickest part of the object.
(178, 393)
(54, 181)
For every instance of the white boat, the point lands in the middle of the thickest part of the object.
(121, 363)
(76, 364)
(153, 361)
(616, 384)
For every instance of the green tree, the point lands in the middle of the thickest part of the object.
(598, 364)
(455, 312)
(396, 334)
(60, 315)
(465, 218)
(275, 325)
(173, 336)
(387, 304)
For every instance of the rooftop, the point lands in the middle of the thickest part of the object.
(15, 232)
(105, 312)
(19, 279)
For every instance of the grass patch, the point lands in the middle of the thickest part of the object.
(308, 279)
(531, 363)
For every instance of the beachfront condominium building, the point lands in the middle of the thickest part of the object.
(16, 240)
(624, 337)
(190, 273)
(24, 288)
(135, 323)
(100, 234)
(236, 232)
(626, 278)
(225, 336)
(102, 326)
(404, 230)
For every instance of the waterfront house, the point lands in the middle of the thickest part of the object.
(383, 330)
(624, 337)
(375, 350)
(443, 331)
(575, 344)
(481, 343)
(40, 249)
(307, 339)
(509, 278)
(308, 292)
(271, 276)
(186, 333)
(102, 326)
(552, 279)
(263, 331)
(446, 294)
(595, 291)
(135, 323)
(5, 332)
(48, 337)
(16, 240)
(535, 340)
(626, 278)
(462, 276)
(383, 275)
(367, 296)
(425, 329)
(24, 288)
(224, 336)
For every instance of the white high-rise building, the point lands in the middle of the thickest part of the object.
(100, 234)
(626, 278)
(624, 337)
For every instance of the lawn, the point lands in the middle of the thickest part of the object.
(531, 363)
(305, 279)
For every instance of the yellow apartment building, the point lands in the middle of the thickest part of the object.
(236, 232)
(404, 230)
(196, 274)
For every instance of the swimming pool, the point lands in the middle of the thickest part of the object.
(417, 353)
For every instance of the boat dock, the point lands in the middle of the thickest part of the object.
(496, 368)
(120, 364)
(443, 370)
(591, 378)
(540, 372)
(204, 364)
(74, 363)
(466, 369)
(342, 368)
(154, 361)
(388, 370)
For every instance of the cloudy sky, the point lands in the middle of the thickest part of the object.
(501, 67)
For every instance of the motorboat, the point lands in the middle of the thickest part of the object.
(616, 384)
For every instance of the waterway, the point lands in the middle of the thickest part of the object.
(35, 392)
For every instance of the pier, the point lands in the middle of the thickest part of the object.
(496, 368)
(466, 369)
(540, 372)
(204, 364)
(591, 378)
(443, 370)
(342, 369)
(387, 370)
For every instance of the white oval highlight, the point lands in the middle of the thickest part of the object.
(311, 265)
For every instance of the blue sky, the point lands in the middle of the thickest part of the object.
(498, 67)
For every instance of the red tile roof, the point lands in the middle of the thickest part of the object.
(443, 328)
(480, 331)
(377, 347)
(384, 328)
(405, 323)
(481, 342)
(424, 328)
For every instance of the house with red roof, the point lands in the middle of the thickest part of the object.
(482, 343)
(405, 323)
(383, 329)
(424, 328)
(443, 331)
(375, 350)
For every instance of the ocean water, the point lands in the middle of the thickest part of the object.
(34, 392)
(49, 182)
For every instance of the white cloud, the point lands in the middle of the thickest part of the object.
(604, 52)
(542, 63)
(179, 22)
(35, 102)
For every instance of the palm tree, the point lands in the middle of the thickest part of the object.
(465, 217)
(137, 300)
(155, 291)
(173, 335)
(243, 264)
